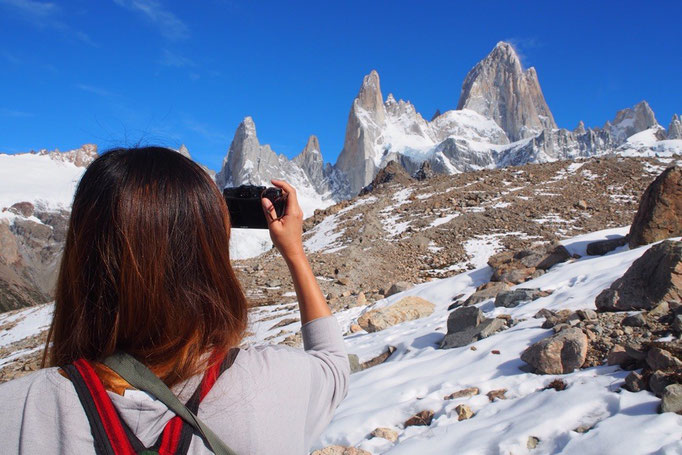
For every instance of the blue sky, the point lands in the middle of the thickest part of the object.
(116, 72)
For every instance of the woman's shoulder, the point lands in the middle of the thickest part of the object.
(46, 380)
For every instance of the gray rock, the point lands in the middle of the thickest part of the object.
(398, 287)
(672, 399)
(587, 314)
(489, 292)
(634, 382)
(658, 381)
(464, 318)
(466, 325)
(558, 354)
(22, 208)
(660, 359)
(513, 298)
(354, 361)
(634, 320)
(602, 247)
(650, 280)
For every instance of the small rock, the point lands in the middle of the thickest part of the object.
(354, 361)
(677, 323)
(495, 352)
(635, 382)
(602, 247)
(617, 356)
(498, 394)
(385, 433)
(634, 320)
(544, 313)
(464, 393)
(361, 300)
(557, 384)
(660, 310)
(343, 281)
(514, 298)
(355, 328)
(660, 359)
(587, 315)
(672, 399)
(422, 418)
(400, 286)
(658, 381)
(464, 412)
(532, 442)
(488, 292)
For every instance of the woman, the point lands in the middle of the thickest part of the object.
(146, 271)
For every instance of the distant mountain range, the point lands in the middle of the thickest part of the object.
(501, 119)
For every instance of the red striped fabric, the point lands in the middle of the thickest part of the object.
(105, 409)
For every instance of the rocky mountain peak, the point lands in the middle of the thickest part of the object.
(311, 162)
(498, 88)
(369, 97)
(631, 121)
(81, 157)
(675, 128)
(580, 129)
(184, 151)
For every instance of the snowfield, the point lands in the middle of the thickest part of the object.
(49, 183)
(418, 375)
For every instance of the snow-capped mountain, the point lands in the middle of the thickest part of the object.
(502, 119)
(249, 162)
(498, 88)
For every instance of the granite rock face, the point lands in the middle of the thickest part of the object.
(675, 128)
(659, 215)
(498, 88)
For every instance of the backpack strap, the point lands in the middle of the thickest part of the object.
(177, 435)
(109, 434)
(142, 378)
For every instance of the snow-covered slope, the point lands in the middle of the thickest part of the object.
(417, 377)
(38, 179)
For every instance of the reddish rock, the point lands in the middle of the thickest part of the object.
(422, 418)
(660, 210)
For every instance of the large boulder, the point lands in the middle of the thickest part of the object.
(653, 278)
(466, 325)
(659, 215)
(558, 354)
(406, 309)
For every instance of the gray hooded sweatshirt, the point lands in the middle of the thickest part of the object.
(274, 400)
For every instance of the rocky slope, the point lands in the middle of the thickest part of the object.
(36, 189)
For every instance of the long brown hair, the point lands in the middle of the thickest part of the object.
(146, 267)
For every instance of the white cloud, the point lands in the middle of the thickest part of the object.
(45, 15)
(170, 26)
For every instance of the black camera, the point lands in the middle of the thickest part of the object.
(246, 210)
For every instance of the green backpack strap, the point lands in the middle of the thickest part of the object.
(140, 377)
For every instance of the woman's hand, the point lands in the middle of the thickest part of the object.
(286, 232)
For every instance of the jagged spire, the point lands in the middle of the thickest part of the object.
(498, 88)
